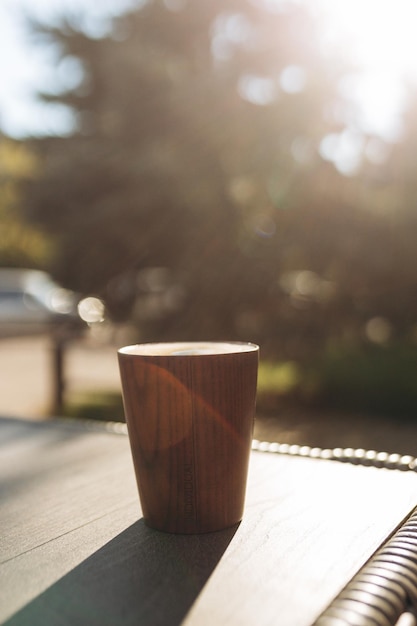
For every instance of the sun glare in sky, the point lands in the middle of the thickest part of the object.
(379, 38)
(377, 35)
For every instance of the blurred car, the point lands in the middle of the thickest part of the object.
(32, 303)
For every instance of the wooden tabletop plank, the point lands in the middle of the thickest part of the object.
(75, 551)
(309, 526)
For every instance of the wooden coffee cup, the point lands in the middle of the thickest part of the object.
(190, 410)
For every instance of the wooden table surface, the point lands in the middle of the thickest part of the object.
(75, 551)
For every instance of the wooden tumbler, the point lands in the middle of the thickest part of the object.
(190, 410)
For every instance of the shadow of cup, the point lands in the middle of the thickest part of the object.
(142, 577)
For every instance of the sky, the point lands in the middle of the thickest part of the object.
(379, 35)
(25, 68)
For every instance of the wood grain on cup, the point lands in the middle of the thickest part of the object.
(190, 421)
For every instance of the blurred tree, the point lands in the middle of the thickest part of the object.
(193, 196)
(197, 125)
(396, 185)
(21, 244)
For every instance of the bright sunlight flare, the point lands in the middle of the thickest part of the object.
(377, 35)
(379, 38)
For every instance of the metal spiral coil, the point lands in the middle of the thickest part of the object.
(384, 591)
(356, 456)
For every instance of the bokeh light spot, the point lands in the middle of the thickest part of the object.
(378, 330)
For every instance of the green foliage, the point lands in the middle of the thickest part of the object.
(21, 243)
(278, 378)
(381, 380)
(101, 406)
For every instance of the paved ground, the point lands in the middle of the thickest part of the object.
(26, 392)
(26, 373)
